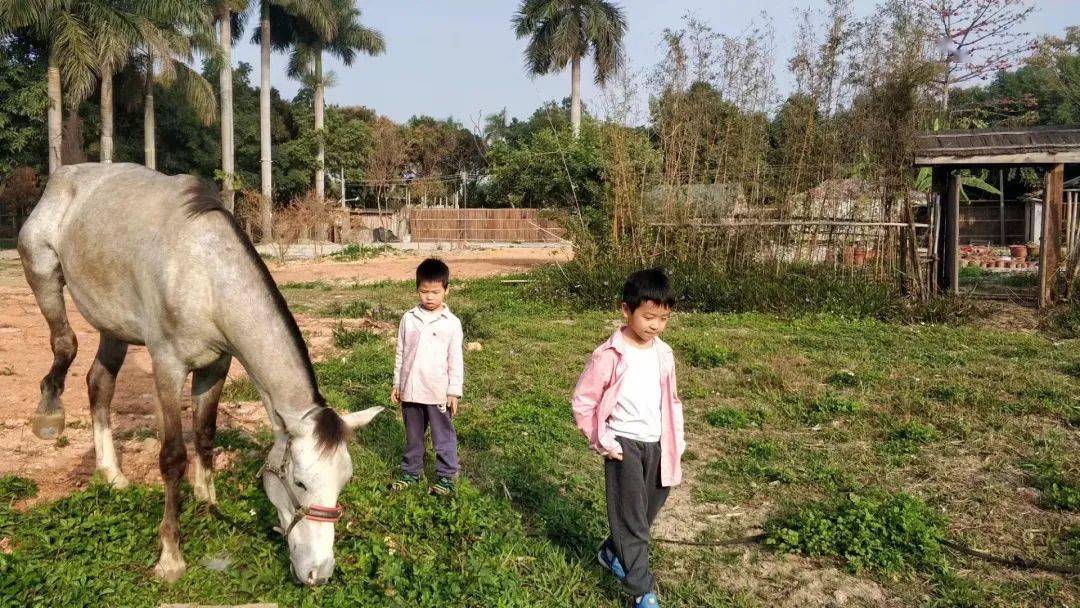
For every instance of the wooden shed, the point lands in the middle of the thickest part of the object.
(1049, 149)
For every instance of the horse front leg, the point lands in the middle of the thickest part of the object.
(169, 376)
(206, 386)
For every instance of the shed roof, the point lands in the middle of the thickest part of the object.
(1001, 146)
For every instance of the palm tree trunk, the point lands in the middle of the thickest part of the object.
(228, 194)
(149, 147)
(265, 160)
(106, 115)
(575, 95)
(56, 115)
(320, 136)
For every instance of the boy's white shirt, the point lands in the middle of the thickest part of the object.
(637, 412)
(429, 365)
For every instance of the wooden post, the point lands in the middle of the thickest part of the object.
(952, 236)
(1001, 205)
(939, 194)
(1050, 247)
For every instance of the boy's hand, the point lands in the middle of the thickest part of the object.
(451, 404)
(395, 396)
(614, 456)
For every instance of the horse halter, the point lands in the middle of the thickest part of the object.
(300, 511)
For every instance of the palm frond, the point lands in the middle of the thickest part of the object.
(319, 15)
(605, 27)
(301, 62)
(73, 51)
(198, 92)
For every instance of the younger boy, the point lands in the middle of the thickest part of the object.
(428, 376)
(627, 406)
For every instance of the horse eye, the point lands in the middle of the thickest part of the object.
(300, 485)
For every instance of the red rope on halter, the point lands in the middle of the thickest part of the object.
(327, 514)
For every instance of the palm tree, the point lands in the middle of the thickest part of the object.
(227, 14)
(132, 24)
(564, 31)
(276, 21)
(183, 28)
(63, 29)
(306, 62)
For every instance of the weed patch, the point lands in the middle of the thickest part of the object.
(1057, 490)
(348, 338)
(353, 309)
(239, 389)
(13, 488)
(889, 534)
(733, 418)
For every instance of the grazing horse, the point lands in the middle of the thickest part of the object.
(155, 260)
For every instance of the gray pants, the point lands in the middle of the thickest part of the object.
(443, 437)
(634, 497)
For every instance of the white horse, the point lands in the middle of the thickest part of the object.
(155, 260)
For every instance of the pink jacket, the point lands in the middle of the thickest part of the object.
(429, 365)
(597, 392)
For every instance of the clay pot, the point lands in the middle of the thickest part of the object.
(999, 263)
(859, 255)
(849, 255)
(1019, 252)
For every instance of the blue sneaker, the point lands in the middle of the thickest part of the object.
(609, 560)
(646, 601)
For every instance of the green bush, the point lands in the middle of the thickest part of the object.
(353, 252)
(889, 534)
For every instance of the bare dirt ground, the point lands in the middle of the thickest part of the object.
(67, 464)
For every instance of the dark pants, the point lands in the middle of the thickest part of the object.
(634, 497)
(443, 436)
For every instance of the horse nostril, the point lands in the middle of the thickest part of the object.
(315, 580)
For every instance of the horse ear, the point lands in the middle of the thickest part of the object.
(356, 420)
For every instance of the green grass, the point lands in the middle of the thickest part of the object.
(239, 389)
(348, 338)
(1057, 489)
(853, 439)
(353, 252)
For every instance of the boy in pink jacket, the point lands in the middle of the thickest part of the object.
(626, 404)
(428, 377)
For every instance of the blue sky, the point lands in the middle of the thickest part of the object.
(460, 58)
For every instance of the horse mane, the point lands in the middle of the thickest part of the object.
(330, 429)
(201, 197)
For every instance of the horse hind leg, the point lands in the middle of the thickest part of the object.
(206, 388)
(100, 383)
(46, 279)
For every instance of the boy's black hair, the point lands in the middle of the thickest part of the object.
(433, 269)
(650, 285)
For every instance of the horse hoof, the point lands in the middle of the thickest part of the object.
(48, 426)
(204, 494)
(117, 480)
(169, 570)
